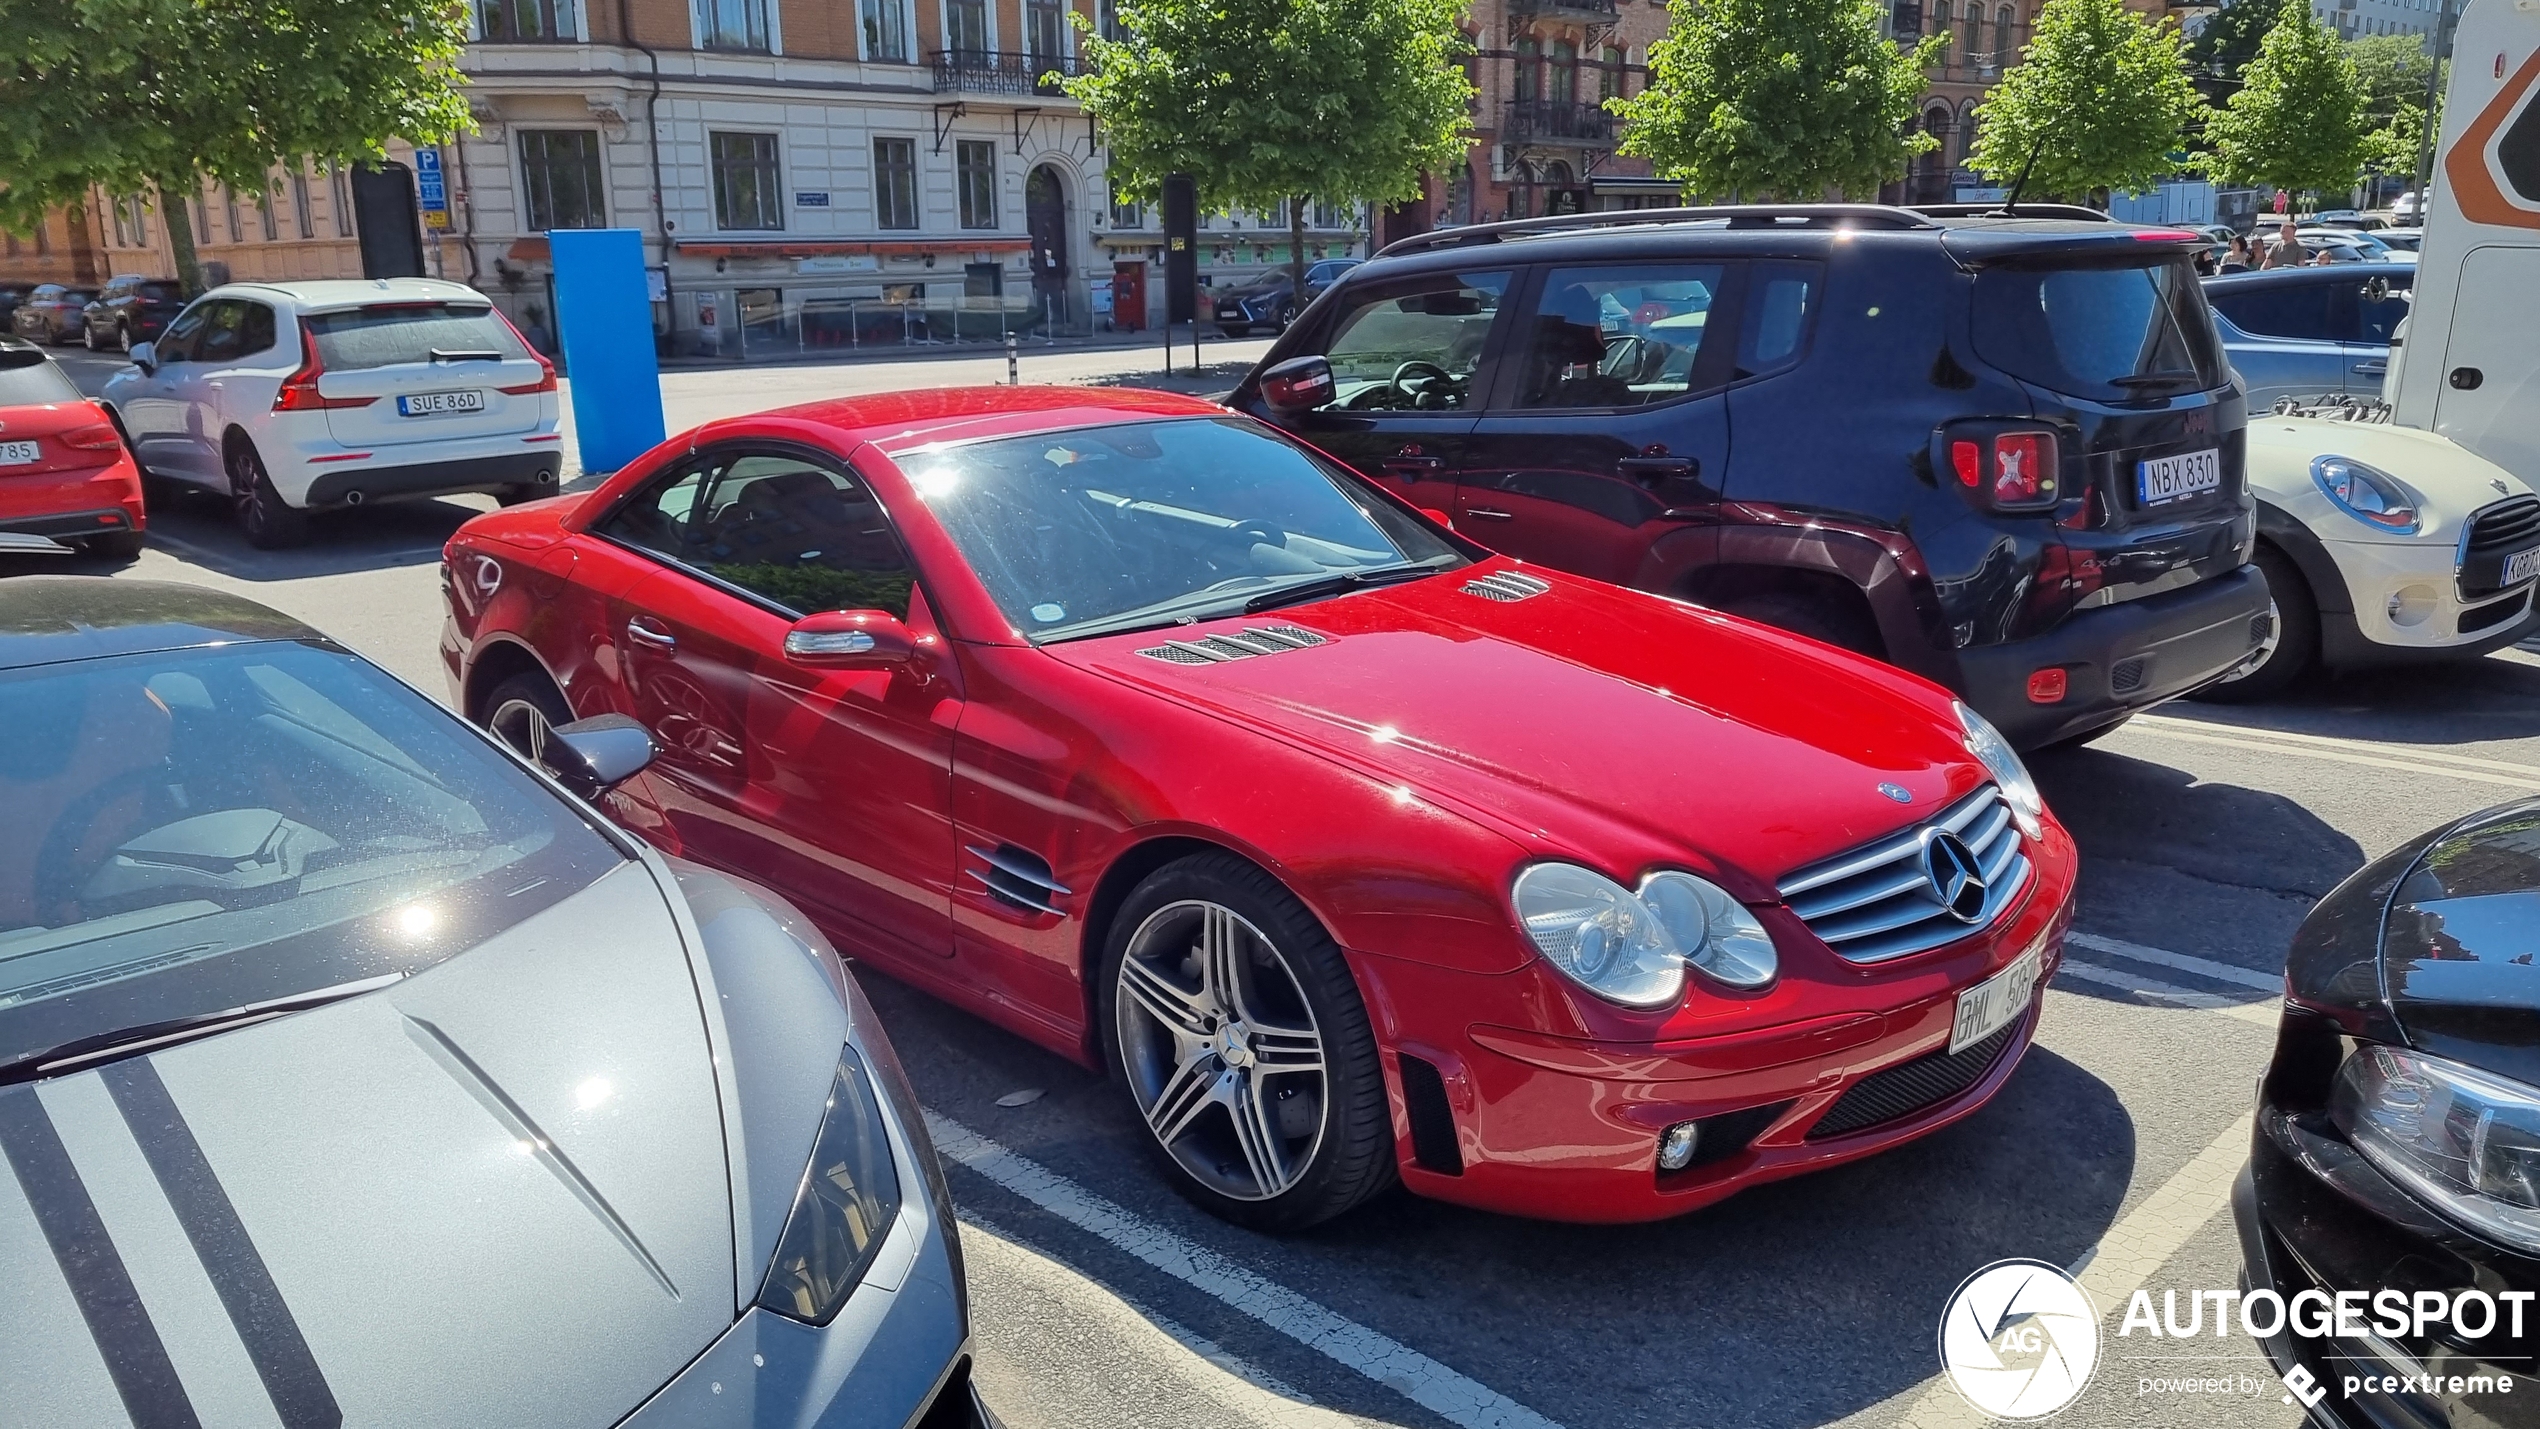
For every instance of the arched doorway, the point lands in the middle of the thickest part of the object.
(1045, 219)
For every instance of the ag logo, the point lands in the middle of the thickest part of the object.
(2019, 1340)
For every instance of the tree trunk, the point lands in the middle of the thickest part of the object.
(180, 219)
(1296, 251)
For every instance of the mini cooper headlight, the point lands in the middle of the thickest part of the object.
(2367, 493)
(1633, 948)
(2028, 807)
(2466, 1141)
(849, 1197)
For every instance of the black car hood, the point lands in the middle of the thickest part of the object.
(2461, 950)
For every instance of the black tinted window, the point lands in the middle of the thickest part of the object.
(1414, 345)
(161, 292)
(1781, 300)
(29, 379)
(234, 330)
(1620, 336)
(185, 333)
(802, 536)
(657, 518)
(392, 334)
(2288, 310)
(2104, 332)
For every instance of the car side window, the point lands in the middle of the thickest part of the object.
(220, 339)
(2379, 306)
(801, 536)
(1414, 345)
(1621, 336)
(178, 343)
(1781, 306)
(255, 329)
(2289, 310)
(656, 517)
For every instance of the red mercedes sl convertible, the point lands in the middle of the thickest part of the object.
(1352, 851)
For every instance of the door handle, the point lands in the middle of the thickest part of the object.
(644, 631)
(2371, 369)
(1409, 467)
(1650, 470)
(1489, 513)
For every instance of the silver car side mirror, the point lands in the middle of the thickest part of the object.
(592, 756)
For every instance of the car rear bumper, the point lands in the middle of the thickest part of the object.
(352, 483)
(2119, 658)
(1558, 1128)
(74, 503)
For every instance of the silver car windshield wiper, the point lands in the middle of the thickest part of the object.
(123, 1042)
(1341, 584)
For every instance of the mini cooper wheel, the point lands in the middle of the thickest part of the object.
(270, 523)
(1239, 1032)
(2293, 638)
(522, 711)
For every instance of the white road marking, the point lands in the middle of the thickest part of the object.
(2418, 760)
(2163, 957)
(1389, 1362)
(2261, 1014)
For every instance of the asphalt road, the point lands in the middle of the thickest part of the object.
(1104, 1300)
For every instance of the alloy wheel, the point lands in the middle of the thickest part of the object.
(1222, 1051)
(123, 338)
(523, 726)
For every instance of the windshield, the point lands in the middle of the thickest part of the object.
(1084, 532)
(192, 832)
(2108, 333)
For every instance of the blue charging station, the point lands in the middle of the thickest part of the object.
(604, 317)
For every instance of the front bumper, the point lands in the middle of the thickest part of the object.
(2118, 658)
(2404, 603)
(1492, 1114)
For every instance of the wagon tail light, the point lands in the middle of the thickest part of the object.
(300, 390)
(2001, 466)
(546, 370)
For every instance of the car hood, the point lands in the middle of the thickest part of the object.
(2460, 945)
(1587, 720)
(2453, 480)
(494, 1193)
(1256, 290)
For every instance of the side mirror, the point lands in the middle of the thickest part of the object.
(1299, 384)
(849, 640)
(592, 756)
(1438, 516)
(145, 355)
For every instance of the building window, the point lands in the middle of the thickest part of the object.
(895, 183)
(1125, 214)
(1529, 76)
(301, 211)
(975, 175)
(1611, 86)
(731, 25)
(1563, 76)
(500, 21)
(264, 212)
(1045, 31)
(123, 226)
(229, 203)
(966, 27)
(339, 194)
(202, 219)
(560, 174)
(1107, 20)
(886, 31)
(747, 190)
(1326, 214)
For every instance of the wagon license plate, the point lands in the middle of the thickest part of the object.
(19, 453)
(2165, 479)
(2519, 567)
(1990, 1005)
(433, 404)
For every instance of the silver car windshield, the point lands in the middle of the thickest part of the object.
(224, 827)
(1109, 528)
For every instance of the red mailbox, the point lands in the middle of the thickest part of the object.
(1129, 295)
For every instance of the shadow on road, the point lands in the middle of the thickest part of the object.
(2496, 697)
(2119, 807)
(403, 533)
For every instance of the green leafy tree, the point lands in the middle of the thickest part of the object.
(1264, 102)
(2297, 120)
(2101, 100)
(1778, 98)
(2228, 41)
(144, 96)
(2394, 71)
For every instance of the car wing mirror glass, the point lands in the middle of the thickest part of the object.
(592, 756)
(849, 640)
(1299, 384)
(145, 356)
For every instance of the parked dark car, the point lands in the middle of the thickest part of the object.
(51, 313)
(2311, 332)
(2003, 453)
(2396, 1156)
(131, 309)
(1267, 301)
(12, 294)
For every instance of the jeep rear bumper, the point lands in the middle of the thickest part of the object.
(2118, 659)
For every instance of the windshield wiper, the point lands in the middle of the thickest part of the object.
(466, 354)
(1341, 584)
(150, 1036)
(2157, 379)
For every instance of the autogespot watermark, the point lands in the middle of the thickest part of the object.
(2019, 1339)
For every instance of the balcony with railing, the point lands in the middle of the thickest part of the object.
(1000, 72)
(1593, 11)
(1556, 121)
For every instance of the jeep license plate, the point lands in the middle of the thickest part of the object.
(2165, 479)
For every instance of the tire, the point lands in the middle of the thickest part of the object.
(521, 710)
(1235, 329)
(1318, 1139)
(269, 522)
(524, 492)
(1818, 620)
(2292, 655)
(88, 337)
(123, 338)
(1287, 315)
(115, 545)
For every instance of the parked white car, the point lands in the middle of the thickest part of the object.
(289, 398)
(2382, 545)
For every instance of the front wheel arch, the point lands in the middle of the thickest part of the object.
(494, 662)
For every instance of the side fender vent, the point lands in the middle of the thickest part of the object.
(1433, 1142)
(1016, 877)
(1507, 586)
(1241, 644)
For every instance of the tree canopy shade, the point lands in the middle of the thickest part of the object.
(1269, 101)
(2101, 99)
(139, 95)
(2297, 120)
(2228, 40)
(1778, 98)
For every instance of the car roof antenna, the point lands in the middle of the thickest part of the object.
(2011, 204)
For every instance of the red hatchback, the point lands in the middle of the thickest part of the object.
(1352, 851)
(64, 471)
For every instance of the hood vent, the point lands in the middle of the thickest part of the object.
(1236, 645)
(1507, 586)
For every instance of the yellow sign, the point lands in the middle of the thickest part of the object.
(1180, 243)
(436, 218)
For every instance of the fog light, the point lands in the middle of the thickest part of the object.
(2046, 687)
(2412, 605)
(1675, 1149)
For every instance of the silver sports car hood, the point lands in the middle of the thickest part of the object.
(495, 1193)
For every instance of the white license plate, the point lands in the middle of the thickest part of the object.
(2175, 478)
(1992, 1004)
(433, 404)
(20, 453)
(2521, 566)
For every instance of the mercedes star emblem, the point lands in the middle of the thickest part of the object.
(1956, 879)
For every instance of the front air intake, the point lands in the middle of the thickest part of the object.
(1507, 586)
(1242, 644)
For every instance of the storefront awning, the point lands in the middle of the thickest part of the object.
(851, 248)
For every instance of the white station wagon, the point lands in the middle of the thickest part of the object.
(294, 397)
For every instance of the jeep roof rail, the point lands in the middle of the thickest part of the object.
(1738, 215)
(2026, 210)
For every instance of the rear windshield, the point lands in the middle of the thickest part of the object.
(2105, 332)
(162, 292)
(392, 334)
(29, 379)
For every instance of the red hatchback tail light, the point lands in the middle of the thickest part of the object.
(95, 437)
(2006, 468)
(300, 390)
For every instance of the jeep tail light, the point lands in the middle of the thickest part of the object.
(300, 390)
(2006, 469)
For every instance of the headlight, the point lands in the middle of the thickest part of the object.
(2368, 494)
(2465, 1141)
(1633, 948)
(2028, 807)
(850, 1196)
